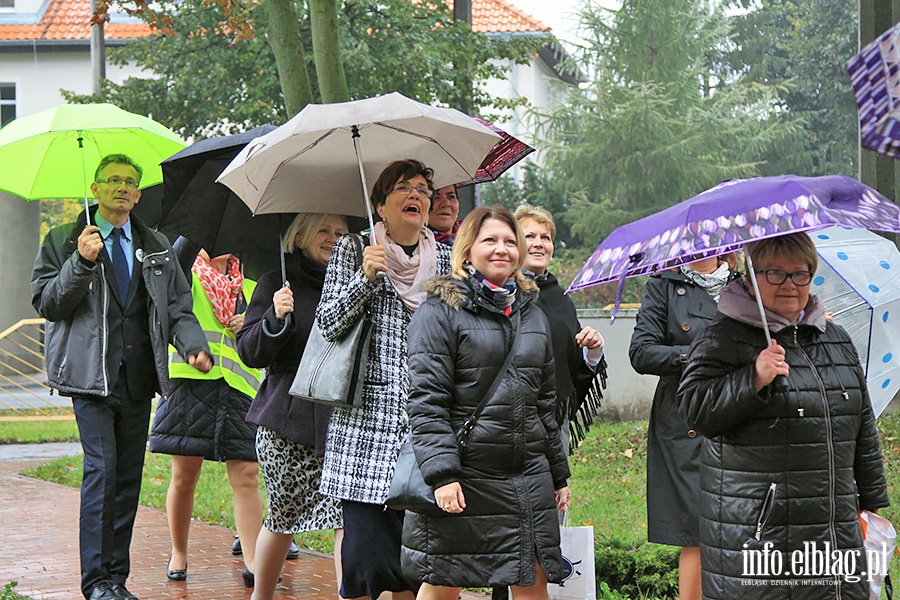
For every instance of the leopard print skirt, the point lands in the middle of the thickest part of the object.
(291, 473)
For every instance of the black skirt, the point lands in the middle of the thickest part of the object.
(370, 552)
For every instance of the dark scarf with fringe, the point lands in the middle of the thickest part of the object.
(579, 390)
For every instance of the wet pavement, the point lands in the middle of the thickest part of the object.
(39, 534)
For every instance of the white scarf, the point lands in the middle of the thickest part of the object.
(409, 273)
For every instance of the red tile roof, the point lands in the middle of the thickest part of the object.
(70, 20)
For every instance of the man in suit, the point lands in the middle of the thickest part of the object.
(114, 297)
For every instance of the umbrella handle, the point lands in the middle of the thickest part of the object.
(288, 322)
(779, 385)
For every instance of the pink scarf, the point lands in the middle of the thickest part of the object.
(409, 273)
(221, 289)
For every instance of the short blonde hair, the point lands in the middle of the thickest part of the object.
(797, 246)
(468, 233)
(306, 225)
(538, 214)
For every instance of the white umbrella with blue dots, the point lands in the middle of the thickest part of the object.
(858, 279)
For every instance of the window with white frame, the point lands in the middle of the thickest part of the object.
(7, 3)
(7, 103)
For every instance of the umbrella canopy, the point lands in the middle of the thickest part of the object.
(728, 216)
(53, 154)
(192, 204)
(875, 76)
(858, 280)
(323, 158)
(505, 153)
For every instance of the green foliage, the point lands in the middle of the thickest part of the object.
(8, 592)
(201, 76)
(647, 570)
(58, 212)
(205, 77)
(803, 46)
(656, 121)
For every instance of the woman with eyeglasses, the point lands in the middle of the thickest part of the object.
(785, 468)
(361, 448)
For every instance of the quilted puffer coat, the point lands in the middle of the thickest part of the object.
(781, 468)
(514, 460)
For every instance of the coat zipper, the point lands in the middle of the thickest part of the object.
(766, 511)
(104, 329)
(830, 445)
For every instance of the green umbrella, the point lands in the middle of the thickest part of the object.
(53, 154)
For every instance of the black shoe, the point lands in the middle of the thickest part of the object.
(175, 574)
(236, 547)
(293, 552)
(250, 578)
(104, 591)
(122, 592)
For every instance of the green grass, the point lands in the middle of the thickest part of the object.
(37, 432)
(608, 487)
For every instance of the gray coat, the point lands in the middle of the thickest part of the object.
(73, 295)
(363, 443)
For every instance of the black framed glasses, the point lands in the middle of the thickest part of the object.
(777, 277)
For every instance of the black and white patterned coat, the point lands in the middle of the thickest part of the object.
(362, 444)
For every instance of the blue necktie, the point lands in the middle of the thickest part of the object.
(120, 263)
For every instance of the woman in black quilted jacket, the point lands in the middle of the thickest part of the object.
(499, 497)
(784, 470)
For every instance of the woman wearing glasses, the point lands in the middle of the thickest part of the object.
(785, 468)
(385, 285)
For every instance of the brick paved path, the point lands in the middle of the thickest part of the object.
(39, 541)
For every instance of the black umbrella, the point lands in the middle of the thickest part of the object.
(193, 205)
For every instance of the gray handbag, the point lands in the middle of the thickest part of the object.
(333, 372)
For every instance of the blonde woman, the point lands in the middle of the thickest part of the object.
(290, 441)
(500, 495)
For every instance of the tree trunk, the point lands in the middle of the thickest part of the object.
(327, 51)
(284, 39)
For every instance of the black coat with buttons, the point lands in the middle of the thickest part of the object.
(673, 311)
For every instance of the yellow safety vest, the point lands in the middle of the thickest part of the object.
(227, 364)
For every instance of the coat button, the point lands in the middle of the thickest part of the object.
(692, 434)
(681, 291)
(685, 326)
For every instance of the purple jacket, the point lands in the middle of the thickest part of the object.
(297, 420)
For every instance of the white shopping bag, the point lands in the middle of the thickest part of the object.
(880, 545)
(578, 582)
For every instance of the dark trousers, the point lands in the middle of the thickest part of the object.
(113, 433)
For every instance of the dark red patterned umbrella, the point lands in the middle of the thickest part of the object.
(508, 151)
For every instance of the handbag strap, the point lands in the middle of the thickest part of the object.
(463, 435)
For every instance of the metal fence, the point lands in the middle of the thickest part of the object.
(23, 381)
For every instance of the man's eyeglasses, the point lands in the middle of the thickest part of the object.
(404, 188)
(130, 183)
(777, 277)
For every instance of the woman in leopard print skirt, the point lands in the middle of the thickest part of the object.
(290, 439)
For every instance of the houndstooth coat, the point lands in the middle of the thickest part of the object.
(363, 443)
